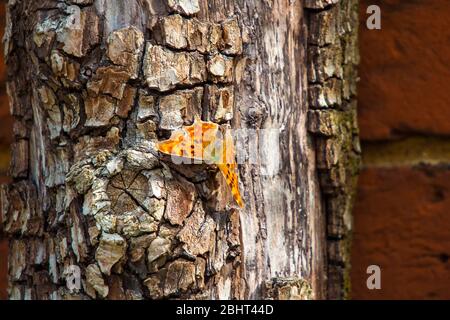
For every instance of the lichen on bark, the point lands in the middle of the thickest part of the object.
(332, 74)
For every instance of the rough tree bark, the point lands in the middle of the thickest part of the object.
(94, 83)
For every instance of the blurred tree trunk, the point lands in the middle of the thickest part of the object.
(94, 83)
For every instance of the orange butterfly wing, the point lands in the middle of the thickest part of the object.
(196, 140)
(191, 141)
(229, 172)
(228, 167)
(173, 145)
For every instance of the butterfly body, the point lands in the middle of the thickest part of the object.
(205, 142)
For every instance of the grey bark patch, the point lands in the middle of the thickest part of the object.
(111, 249)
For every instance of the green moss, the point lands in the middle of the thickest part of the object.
(347, 278)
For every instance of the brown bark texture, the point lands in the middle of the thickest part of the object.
(93, 84)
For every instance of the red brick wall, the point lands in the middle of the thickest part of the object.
(402, 220)
(5, 139)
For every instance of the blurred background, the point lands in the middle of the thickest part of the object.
(402, 212)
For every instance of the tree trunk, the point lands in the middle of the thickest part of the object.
(94, 83)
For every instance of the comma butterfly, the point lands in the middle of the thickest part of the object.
(204, 141)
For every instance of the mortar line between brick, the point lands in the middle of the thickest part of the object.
(410, 151)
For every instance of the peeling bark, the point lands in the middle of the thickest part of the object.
(103, 81)
(332, 75)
